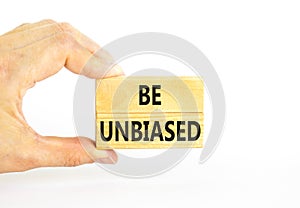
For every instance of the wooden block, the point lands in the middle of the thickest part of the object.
(148, 140)
(149, 112)
(121, 95)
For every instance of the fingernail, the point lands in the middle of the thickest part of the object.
(111, 158)
(115, 71)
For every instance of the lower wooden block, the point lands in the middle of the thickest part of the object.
(169, 130)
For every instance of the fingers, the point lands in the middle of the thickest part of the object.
(29, 33)
(46, 47)
(59, 44)
(28, 26)
(56, 152)
(48, 56)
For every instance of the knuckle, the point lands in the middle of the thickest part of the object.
(65, 40)
(66, 36)
(65, 27)
(68, 28)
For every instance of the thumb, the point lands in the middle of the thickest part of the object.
(71, 151)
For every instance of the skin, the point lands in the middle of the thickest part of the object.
(31, 53)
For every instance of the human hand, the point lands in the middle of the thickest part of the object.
(31, 53)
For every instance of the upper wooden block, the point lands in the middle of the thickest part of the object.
(177, 94)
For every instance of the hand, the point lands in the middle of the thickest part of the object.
(31, 53)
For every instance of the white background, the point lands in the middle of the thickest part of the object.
(253, 45)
